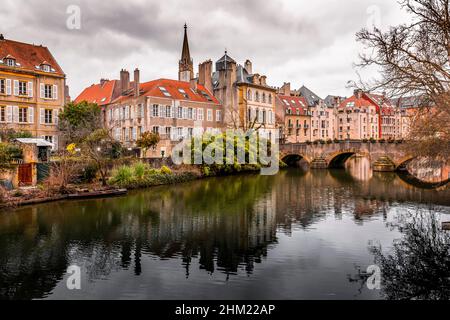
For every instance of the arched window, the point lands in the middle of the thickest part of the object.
(264, 98)
(257, 96)
(270, 98)
(249, 95)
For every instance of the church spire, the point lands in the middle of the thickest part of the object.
(186, 65)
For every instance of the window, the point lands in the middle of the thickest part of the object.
(22, 88)
(200, 115)
(2, 86)
(209, 115)
(257, 96)
(180, 133)
(270, 98)
(46, 68)
(48, 116)
(48, 91)
(190, 132)
(23, 115)
(168, 131)
(249, 95)
(164, 91)
(218, 115)
(206, 96)
(155, 111)
(180, 113)
(168, 111)
(155, 129)
(264, 98)
(10, 62)
(190, 113)
(2, 114)
(183, 93)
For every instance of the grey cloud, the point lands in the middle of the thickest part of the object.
(303, 42)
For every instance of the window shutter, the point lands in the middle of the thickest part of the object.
(30, 89)
(9, 114)
(16, 87)
(15, 114)
(42, 89)
(55, 92)
(55, 143)
(41, 115)
(30, 114)
(8, 87)
(55, 116)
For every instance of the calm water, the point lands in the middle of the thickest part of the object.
(297, 235)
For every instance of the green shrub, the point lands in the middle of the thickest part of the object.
(123, 177)
(89, 173)
(140, 171)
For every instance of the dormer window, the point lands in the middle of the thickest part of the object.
(46, 68)
(10, 62)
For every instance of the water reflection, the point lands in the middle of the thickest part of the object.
(418, 265)
(225, 226)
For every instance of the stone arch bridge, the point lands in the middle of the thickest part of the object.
(383, 156)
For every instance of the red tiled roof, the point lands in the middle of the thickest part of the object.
(152, 89)
(294, 104)
(28, 55)
(355, 102)
(98, 93)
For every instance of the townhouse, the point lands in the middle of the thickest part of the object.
(32, 90)
(295, 126)
(247, 99)
(358, 118)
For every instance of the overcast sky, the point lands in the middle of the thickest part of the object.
(304, 42)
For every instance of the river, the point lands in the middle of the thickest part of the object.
(296, 235)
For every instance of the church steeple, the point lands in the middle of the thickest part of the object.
(186, 64)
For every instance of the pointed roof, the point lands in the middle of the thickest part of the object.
(226, 58)
(185, 54)
(310, 96)
(28, 55)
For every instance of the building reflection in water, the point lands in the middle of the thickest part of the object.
(224, 225)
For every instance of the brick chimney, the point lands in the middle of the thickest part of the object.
(136, 82)
(124, 80)
(205, 75)
(358, 93)
(193, 84)
(248, 66)
(286, 89)
(263, 81)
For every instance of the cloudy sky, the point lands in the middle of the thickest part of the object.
(304, 42)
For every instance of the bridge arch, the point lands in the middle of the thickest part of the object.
(293, 159)
(337, 160)
(401, 164)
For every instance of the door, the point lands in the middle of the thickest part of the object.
(25, 174)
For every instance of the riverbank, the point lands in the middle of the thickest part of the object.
(121, 179)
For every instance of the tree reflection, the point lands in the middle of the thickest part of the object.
(418, 266)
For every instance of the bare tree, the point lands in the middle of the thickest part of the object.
(413, 60)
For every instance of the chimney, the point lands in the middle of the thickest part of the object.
(124, 80)
(193, 84)
(248, 66)
(286, 89)
(2, 37)
(136, 83)
(263, 80)
(205, 75)
(103, 81)
(358, 93)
